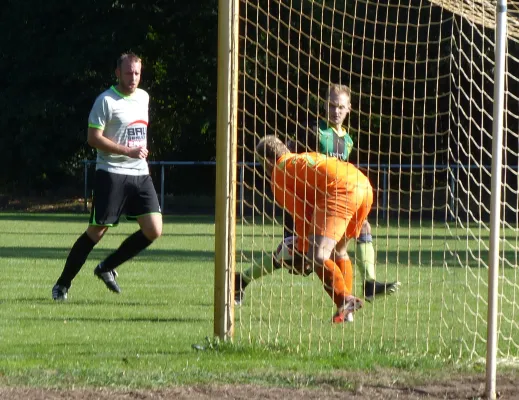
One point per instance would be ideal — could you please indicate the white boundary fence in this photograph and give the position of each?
(383, 188)
(162, 164)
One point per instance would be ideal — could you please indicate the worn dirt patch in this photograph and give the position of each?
(467, 388)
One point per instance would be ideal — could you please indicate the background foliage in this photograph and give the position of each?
(59, 55)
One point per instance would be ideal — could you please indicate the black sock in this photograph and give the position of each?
(132, 246)
(75, 260)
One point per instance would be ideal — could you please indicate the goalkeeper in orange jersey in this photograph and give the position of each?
(329, 137)
(329, 200)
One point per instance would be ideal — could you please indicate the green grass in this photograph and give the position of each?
(159, 330)
(440, 310)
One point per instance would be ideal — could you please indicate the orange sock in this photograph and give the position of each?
(333, 282)
(347, 272)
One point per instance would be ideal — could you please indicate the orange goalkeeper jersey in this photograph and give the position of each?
(302, 183)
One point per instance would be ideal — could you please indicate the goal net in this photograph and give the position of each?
(421, 75)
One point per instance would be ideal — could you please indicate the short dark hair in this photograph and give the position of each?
(271, 148)
(127, 56)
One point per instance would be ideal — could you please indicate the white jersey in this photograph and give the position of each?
(124, 120)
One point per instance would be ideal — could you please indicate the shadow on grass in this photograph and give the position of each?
(404, 258)
(44, 217)
(60, 253)
(41, 217)
(82, 303)
(111, 232)
(116, 319)
(412, 259)
(70, 304)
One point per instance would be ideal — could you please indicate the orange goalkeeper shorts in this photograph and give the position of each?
(343, 215)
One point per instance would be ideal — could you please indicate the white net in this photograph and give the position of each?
(421, 75)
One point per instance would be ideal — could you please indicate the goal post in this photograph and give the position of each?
(495, 199)
(425, 121)
(226, 156)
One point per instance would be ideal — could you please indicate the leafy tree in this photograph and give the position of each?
(60, 54)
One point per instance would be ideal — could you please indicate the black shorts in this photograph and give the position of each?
(116, 194)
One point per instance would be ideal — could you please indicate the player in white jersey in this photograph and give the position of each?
(117, 128)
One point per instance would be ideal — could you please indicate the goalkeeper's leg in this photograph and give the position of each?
(266, 267)
(339, 288)
(337, 278)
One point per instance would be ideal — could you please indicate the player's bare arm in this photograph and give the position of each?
(98, 141)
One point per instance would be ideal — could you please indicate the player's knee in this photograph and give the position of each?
(320, 251)
(365, 238)
(365, 233)
(151, 226)
(366, 228)
(96, 233)
(153, 234)
(342, 254)
(317, 259)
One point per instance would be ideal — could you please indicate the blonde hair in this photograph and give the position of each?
(271, 148)
(338, 89)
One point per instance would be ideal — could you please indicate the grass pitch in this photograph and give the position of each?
(159, 331)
